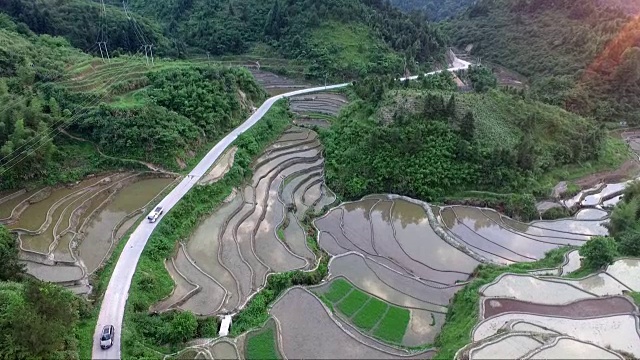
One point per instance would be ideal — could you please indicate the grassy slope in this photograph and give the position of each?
(353, 47)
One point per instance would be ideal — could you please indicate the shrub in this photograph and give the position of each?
(598, 252)
(556, 213)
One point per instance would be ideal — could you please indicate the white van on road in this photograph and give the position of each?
(155, 214)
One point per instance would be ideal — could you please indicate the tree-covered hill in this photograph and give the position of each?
(127, 111)
(341, 38)
(428, 141)
(80, 22)
(581, 55)
(436, 10)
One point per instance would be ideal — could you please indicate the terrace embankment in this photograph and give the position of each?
(554, 317)
(256, 231)
(67, 232)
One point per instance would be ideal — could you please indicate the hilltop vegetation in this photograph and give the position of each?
(426, 141)
(580, 55)
(436, 10)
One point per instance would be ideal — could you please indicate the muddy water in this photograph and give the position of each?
(62, 252)
(301, 207)
(296, 239)
(203, 248)
(280, 161)
(34, 216)
(516, 243)
(356, 226)
(231, 257)
(224, 350)
(420, 330)
(7, 206)
(535, 231)
(181, 288)
(210, 296)
(269, 249)
(416, 237)
(98, 233)
(312, 195)
(54, 273)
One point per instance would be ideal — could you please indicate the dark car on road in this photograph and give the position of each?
(106, 339)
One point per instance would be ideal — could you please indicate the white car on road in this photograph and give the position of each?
(155, 214)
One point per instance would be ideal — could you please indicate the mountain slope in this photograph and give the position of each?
(81, 23)
(553, 43)
(297, 29)
(436, 10)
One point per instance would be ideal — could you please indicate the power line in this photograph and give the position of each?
(102, 43)
(51, 131)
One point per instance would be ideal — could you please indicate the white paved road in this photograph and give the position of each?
(115, 298)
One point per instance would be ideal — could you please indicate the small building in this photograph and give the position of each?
(225, 325)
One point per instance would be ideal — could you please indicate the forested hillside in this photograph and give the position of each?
(341, 38)
(425, 140)
(581, 55)
(436, 10)
(164, 115)
(81, 23)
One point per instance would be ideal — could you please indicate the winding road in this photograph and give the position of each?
(115, 298)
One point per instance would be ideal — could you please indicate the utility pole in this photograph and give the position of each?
(103, 38)
(325, 80)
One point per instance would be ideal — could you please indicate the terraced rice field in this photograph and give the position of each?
(321, 103)
(538, 317)
(66, 233)
(504, 240)
(255, 232)
(276, 84)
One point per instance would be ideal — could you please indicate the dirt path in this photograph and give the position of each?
(629, 168)
(150, 166)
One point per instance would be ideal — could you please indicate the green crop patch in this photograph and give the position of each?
(262, 345)
(370, 314)
(393, 326)
(339, 289)
(352, 302)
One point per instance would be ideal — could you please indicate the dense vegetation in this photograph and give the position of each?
(580, 55)
(82, 23)
(36, 318)
(426, 141)
(165, 114)
(339, 38)
(436, 10)
(181, 110)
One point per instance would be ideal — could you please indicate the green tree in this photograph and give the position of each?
(629, 242)
(182, 327)
(598, 252)
(10, 266)
(468, 126)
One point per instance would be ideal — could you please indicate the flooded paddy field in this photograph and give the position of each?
(255, 232)
(504, 240)
(67, 232)
(584, 318)
(320, 103)
(277, 84)
(309, 330)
